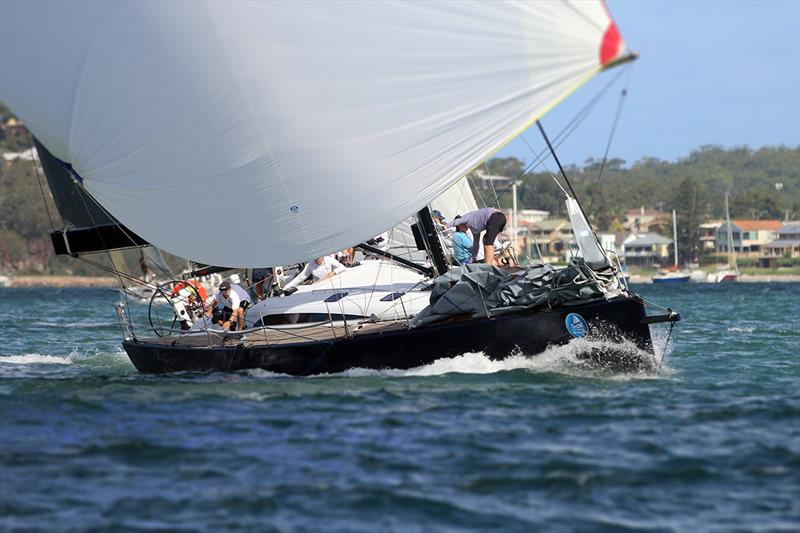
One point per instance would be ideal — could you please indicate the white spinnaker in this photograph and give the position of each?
(322, 123)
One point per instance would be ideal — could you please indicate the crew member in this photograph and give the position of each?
(462, 245)
(318, 269)
(488, 219)
(262, 281)
(234, 301)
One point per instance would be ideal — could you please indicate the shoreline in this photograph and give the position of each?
(64, 281)
(743, 278)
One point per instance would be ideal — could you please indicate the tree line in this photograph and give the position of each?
(763, 184)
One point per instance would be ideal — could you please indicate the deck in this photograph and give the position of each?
(272, 335)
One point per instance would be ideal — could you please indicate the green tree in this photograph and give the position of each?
(687, 204)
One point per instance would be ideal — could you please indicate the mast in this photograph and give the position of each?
(675, 238)
(731, 244)
(433, 246)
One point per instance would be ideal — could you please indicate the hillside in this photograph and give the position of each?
(763, 183)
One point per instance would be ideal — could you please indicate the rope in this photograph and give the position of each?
(666, 345)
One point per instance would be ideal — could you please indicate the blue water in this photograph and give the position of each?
(710, 442)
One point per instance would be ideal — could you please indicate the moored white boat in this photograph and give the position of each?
(724, 276)
(672, 275)
(731, 272)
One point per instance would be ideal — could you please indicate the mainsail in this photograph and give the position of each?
(286, 130)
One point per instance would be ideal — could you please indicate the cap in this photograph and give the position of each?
(224, 285)
(437, 214)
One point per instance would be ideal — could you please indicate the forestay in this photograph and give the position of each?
(285, 130)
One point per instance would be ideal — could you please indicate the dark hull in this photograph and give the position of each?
(682, 279)
(527, 332)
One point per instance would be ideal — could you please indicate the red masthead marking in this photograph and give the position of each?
(610, 45)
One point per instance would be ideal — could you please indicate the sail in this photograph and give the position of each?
(588, 244)
(286, 130)
(87, 227)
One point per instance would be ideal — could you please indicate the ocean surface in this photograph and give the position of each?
(709, 442)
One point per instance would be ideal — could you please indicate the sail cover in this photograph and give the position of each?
(285, 130)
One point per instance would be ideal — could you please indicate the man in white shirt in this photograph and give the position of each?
(234, 301)
(318, 269)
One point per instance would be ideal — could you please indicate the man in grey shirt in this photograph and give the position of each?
(488, 219)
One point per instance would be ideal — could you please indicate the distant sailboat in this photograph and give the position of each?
(268, 133)
(672, 275)
(731, 272)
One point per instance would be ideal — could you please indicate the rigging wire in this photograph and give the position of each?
(474, 188)
(566, 131)
(122, 229)
(611, 134)
(377, 275)
(558, 162)
(100, 236)
(491, 182)
(39, 179)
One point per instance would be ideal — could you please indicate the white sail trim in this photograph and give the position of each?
(321, 123)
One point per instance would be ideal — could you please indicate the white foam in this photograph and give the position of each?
(261, 373)
(35, 359)
(743, 329)
(563, 359)
(66, 324)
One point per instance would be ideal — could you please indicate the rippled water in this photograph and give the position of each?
(709, 442)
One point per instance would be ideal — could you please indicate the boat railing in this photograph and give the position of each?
(124, 322)
(617, 265)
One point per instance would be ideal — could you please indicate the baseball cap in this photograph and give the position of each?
(437, 214)
(224, 285)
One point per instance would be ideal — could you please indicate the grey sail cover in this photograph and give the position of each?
(479, 289)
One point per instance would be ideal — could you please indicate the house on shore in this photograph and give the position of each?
(640, 220)
(708, 235)
(749, 236)
(552, 236)
(786, 245)
(650, 249)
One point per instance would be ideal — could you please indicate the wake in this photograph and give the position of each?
(579, 358)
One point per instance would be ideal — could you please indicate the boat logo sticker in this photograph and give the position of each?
(576, 325)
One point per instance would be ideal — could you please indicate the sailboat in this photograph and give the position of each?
(270, 133)
(731, 272)
(672, 275)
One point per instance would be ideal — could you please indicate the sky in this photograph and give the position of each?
(710, 72)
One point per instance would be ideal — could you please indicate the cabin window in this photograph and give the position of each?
(392, 297)
(335, 297)
(284, 319)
